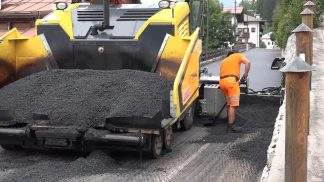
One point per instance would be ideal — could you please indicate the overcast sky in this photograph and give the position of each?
(229, 3)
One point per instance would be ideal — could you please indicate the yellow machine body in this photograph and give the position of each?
(21, 56)
(177, 60)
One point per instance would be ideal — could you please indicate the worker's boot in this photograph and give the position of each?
(231, 128)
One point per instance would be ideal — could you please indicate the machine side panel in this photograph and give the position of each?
(171, 57)
(121, 53)
(7, 58)
(185, 89)
(174, 17)
(59, 43)
(190, 79)
(62, 18)
(21, 56)
(107, 55)
(151, 41)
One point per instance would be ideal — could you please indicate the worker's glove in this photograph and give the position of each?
(204, 71)
(242, 79)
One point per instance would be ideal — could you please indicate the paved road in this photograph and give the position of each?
(261, 76)
(200, 154)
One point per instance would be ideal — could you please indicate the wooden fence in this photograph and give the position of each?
(297, 84)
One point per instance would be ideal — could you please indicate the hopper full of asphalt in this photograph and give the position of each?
(84, 98)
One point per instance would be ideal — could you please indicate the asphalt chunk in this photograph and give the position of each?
(84, 98)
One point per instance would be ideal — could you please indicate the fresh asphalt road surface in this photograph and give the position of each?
(261, 75)
(200, 154)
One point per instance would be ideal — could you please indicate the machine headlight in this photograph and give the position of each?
(172, 4)
(61, 5)
(164, 4)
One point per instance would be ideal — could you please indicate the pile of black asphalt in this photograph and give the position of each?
(84, 98)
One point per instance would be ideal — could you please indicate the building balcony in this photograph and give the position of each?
(244, 35)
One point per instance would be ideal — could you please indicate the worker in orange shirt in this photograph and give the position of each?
(229, 84)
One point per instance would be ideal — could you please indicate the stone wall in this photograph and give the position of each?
(290, 51)
(274, 168)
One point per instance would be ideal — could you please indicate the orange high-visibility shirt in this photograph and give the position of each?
(231, 65)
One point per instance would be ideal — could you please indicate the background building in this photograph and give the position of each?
(22, 14)
(249, 29)
(266, 39)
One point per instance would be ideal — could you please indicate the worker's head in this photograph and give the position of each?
(231, 52)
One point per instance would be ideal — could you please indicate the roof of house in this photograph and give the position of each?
(233, 10)
(267, 35)
(27, 6)
(24, 9)
(248, 18)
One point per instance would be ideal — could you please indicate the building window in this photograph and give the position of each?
(253, 29)
(245, 30)
(245, 23)
(239, 29)
(268, 43)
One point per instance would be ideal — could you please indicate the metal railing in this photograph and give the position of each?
(210, 54)
(221, 52)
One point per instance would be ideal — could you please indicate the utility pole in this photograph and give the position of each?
(235, 14)
(207, 31)
(235, 18)
(247, 23)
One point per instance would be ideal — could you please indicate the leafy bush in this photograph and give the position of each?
(287, 17)
(262, 45)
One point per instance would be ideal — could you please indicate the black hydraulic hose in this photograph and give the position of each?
(96, 27)
(105, 24)
(267, 91)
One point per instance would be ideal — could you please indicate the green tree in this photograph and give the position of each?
(286, 18)
(249, 7)
(266, 9)
(319, 10)
(262, 45)
(220, 29)
(272, 37)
